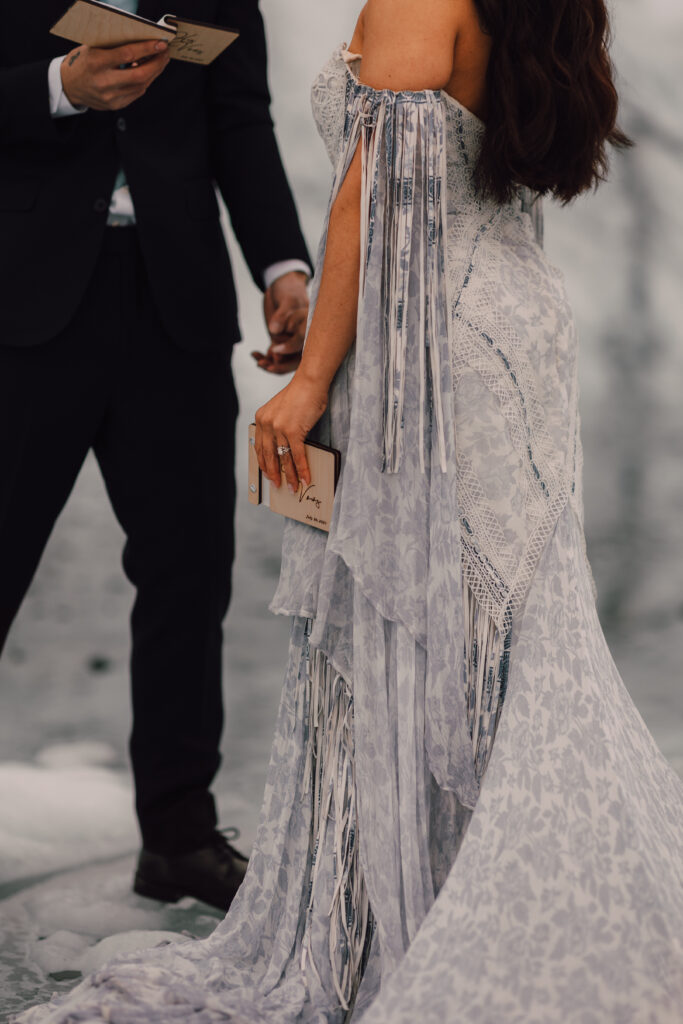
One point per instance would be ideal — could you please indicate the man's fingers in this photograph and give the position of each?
(132, 52)
(297, 319)
(288, 301)
(291, 337)
(286, 366)
(294, 328)
(285, 348)
(276, 364)
(289, 344)
(281, 314)
(265, 450)
(288, 305)
(117, 89)
(109, 79)
(143, 74)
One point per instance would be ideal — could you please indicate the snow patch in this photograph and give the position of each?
(77, 755)
(64, 811)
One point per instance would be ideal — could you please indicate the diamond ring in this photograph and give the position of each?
(282, 449)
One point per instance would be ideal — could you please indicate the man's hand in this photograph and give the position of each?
(93, 77)
(286, 309)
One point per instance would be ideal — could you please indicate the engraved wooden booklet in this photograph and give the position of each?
(93, 23)
(311, 505)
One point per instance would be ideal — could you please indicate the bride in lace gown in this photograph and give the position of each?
(465, 819)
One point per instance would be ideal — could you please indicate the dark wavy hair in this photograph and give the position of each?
(552, 103)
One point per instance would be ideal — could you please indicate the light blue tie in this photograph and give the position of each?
(132, 7)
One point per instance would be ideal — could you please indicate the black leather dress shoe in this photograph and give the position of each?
(212, 874)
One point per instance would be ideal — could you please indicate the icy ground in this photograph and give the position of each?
(67, 832)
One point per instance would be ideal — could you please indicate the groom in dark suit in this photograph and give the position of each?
(117, 316)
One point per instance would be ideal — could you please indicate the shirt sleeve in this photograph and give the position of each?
(238, 105)
(275, 270)
(60, 106)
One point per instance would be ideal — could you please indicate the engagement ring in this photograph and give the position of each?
(282, 449)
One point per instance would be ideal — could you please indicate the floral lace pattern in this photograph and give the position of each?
(566, 900)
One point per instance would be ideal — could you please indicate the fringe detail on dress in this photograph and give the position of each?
(532, 203)
(330, 774)
(487, 665)
(404, 214)
(330, 777)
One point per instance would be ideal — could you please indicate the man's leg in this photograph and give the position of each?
(166, 450)
(52, 398)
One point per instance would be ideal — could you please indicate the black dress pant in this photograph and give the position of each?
(161, 423)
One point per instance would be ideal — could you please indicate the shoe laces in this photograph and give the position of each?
(224, 847)
(231, 833)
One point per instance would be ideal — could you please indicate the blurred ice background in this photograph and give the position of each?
(67, 831)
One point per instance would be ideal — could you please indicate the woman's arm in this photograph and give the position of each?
(407, 44)
(289, 417)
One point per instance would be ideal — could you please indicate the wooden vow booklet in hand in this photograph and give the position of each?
(97, 24)
(311, 505)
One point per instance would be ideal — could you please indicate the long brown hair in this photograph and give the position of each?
(552, 103)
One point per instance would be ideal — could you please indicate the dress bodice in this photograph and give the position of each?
(464, 130)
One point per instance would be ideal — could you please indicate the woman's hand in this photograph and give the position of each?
(285, 421)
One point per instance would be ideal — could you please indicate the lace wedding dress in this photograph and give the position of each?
(465, 818)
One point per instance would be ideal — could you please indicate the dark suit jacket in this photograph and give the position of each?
(195, 126)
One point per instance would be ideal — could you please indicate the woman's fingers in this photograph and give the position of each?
(276, 364)
(284, 422)
(258, 444)
(300, 463)
(272, 461)
(287, 464)
(293, 462)
(266, 446)
(286, 366)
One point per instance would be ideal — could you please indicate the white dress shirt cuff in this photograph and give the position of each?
(284, 267)
(59, 104)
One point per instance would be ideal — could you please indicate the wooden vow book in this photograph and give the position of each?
(93, 23)
(311, 505)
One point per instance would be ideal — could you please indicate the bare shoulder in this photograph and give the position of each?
(410, 44)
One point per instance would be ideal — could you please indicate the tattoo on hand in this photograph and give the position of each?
(74, 58)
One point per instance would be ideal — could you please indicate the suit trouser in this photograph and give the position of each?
(161, 423)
